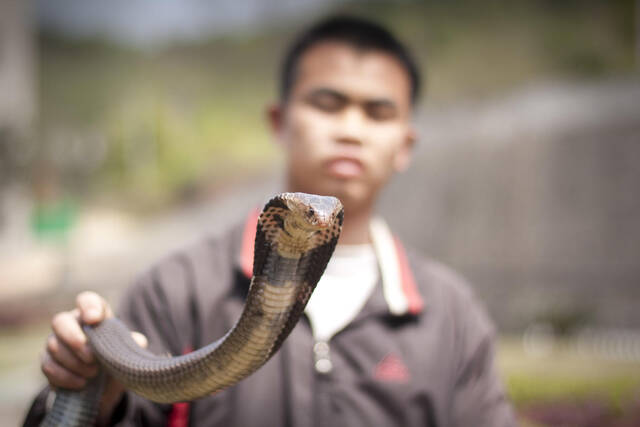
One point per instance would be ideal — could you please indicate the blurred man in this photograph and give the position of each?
(389, 338)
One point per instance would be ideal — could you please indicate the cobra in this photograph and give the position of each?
(295, 237)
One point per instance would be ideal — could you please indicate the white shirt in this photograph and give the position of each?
(347, 283)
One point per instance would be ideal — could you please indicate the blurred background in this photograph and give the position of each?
(130, 128)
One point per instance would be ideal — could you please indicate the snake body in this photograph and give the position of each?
(295, 237)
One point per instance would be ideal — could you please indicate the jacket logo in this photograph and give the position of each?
(392, 369)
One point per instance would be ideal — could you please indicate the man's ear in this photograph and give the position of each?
(275, 115)
(402, 159)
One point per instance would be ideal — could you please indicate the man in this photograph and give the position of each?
(389, 338)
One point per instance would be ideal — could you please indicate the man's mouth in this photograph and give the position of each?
(344, 167)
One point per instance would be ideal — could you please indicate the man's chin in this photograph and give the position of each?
(352, 195)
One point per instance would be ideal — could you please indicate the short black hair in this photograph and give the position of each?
(357, 32)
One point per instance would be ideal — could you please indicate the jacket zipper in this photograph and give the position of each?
(322, 357)
(322, 366)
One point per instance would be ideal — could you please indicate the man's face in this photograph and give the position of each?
(346, 127)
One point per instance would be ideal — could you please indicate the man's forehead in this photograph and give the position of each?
(356, 72)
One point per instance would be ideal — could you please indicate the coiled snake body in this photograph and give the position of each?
(295, 237)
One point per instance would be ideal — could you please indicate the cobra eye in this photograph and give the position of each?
(311, 212)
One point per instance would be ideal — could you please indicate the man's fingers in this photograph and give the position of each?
(68, 360)
(60, 377)
(140, 339)
(64, 357)
(93, 308)
(66, 327)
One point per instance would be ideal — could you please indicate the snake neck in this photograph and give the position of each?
(293, 241)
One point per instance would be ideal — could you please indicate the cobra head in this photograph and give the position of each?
(313, 212)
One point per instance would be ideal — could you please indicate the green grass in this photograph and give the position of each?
(565, 375)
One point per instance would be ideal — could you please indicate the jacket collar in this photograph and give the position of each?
(398, 282)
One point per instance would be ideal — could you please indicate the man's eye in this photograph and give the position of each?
(381, 110)
(327, 102)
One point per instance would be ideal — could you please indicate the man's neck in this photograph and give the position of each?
(355, 228)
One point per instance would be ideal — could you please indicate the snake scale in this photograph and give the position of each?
(295, 237)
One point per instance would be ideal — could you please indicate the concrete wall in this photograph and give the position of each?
(535, 199)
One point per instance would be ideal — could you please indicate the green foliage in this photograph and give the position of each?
(188, 114)
(158, 150)
(565, 375)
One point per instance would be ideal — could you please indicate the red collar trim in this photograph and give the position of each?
(179, 415)
(248, 242)
(409, 288)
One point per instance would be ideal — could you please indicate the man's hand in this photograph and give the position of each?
(68, 361)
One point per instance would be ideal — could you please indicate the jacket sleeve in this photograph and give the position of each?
(479, 398)
(37, 410)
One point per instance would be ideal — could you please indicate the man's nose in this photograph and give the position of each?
(351, 126)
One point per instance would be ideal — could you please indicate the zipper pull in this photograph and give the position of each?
(322, 357)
